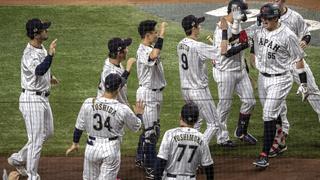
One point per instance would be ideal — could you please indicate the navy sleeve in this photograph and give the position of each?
(159, 168)
(236, 49)
(42, 68)
(209, 170)
(125, 74)
(77, 135)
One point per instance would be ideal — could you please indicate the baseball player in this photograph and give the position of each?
(103, 118)
(295, 22)
(192, 56)
(36, 80)
(276, 47)
(151, 84)
(183, 149)
(118, 50)
(229, 71)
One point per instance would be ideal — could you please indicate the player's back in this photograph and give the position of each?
(192, 67)
(187, 150)
(109, 68)
(105, 118)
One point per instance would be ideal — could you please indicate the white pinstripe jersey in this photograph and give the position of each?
(295, 22)
(184, 149)
(233, 63)
(275, 50)
(192, 63)
(31, 58)
(109, 68)
(150, 73)
(105, 118)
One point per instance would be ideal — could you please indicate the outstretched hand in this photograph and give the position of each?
(52, 48)
(72, 148)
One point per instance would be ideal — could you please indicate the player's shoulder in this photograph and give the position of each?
(292, 12)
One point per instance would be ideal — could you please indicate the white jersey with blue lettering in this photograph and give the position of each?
(104, 119)
(275, 50)
(192, 56)
(184, 149)
(109, 68)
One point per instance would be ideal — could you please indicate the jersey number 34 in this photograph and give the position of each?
(100, 124)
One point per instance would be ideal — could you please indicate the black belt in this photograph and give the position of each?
(110, 139)
(161, 89)
(273, 75)
(39, 93)
(175, 176)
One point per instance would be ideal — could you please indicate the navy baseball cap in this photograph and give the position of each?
(117, 44)
(35, 25)
(191, 21)
(190, 113)
(113, 82)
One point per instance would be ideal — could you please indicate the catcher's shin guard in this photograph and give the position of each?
(139, 155)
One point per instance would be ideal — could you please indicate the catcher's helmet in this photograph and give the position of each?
(270, 10)
(239, 3)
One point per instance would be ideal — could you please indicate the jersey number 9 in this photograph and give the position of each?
(184, 61)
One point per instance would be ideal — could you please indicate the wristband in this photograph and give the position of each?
(224, 34)
(159, 43)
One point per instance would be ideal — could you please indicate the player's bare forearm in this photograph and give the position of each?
(300, 64)
(224, 42)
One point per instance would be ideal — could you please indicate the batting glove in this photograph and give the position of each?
(303, 89)
(236, 14)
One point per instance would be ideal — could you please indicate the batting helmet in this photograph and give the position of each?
(241, 4)
(269, 11)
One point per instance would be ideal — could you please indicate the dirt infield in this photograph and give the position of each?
(52, 168)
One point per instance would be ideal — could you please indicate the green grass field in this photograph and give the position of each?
(82, 33)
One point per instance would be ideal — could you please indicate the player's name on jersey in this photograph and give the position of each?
(104, 107)
(188, 137)
(269, 44)
(184, 47)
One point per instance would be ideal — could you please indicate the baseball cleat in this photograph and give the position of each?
(248, 138)
(228, 144)
(20, 168)
(139, 164)
(149, 173)
(262, 162)
(279, 150)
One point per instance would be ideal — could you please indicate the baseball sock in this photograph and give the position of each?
(269, 134)
(243, 124)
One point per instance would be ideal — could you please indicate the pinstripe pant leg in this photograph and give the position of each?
(245, 92)
(34, 117)
(49, 128)
(226, 84)
(92, 162)
(111, 161)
